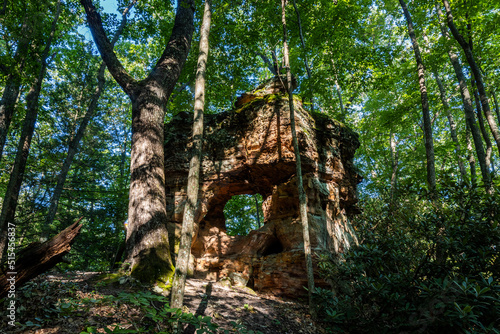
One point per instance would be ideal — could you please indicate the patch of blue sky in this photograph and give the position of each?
(107, 6)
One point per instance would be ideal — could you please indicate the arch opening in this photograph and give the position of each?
(243, 214)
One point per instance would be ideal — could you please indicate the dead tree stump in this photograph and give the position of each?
(37, 258)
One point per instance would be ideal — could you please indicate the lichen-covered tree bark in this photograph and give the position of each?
(147, 247)
(300, 186)
(182, 262)
(429, 144)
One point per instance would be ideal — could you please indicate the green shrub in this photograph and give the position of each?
(428, 266)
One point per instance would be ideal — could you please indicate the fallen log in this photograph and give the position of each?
(37, 258)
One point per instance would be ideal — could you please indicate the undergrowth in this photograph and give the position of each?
(137, 310)
(423, 265)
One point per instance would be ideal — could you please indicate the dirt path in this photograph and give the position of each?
(259, 313)
(72, 302)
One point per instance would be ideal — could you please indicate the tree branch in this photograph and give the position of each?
(105, 48)
(267, 62)
(169, 66)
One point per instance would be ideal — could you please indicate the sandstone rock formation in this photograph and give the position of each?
(249, 150)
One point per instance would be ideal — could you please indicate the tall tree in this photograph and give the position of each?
(304, 50)
(300, 185)
(453, 127)
(394, 164)
(13, 82)
(480, 120)
(467, 104)
(429, 144)
(23, 147)
(75, 141)
(257, 210)
(339, 93)
(148, 251)
(470, 156)
(191, 206)
(497, 110)
(467, 48)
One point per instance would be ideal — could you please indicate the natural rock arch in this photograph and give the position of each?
(249, 150)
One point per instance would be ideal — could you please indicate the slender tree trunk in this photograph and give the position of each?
(470, 156)
(73, 149)
(429, 145)
(191, 206)
(497, 110)
(486, 137)
(12, 87)
(394, 175)
(306, 61)
(147, 247)
(477, 74)
(468, 108)
(4, 7)
(7, 107)
(23, 147)
(257, 209)
(300, 186)
(339, 93)
(453, 127)
(348, 104)
(270, 65)
(75, 141)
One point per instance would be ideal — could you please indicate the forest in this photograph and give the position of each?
(100, 98)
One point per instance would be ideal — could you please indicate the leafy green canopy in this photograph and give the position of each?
(241, 214)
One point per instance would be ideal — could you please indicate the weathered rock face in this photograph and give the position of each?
(249, 150)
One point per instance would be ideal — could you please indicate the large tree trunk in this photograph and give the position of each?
(300, 186)
(182, 263)
(468, 108)
(429, 144)
(75, 141)
(147, 247)
(148, 252)
(453, 127)
(23, 147)
(36, 258)
(476, 71)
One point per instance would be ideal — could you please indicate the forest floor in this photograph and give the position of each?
(77, 301)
